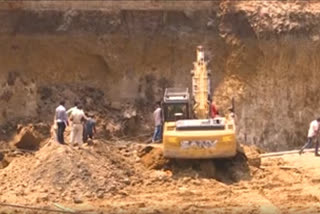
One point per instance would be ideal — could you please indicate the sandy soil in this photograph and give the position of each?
(110, 177)
(282, 185)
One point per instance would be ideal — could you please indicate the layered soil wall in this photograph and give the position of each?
(264, 54)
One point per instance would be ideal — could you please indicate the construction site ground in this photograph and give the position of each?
(125, 177)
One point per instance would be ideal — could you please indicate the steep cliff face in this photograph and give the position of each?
(264, 55)
(133, 59)
(272, 69)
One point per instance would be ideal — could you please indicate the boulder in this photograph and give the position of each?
(26, 139)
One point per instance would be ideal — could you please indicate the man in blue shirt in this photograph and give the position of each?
(62, 121)
(89, 128)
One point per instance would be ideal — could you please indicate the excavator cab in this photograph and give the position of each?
(175, 104)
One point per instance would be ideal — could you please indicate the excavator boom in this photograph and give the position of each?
(200, 86)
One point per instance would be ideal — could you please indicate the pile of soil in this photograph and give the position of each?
(227, 170)
(63, 173)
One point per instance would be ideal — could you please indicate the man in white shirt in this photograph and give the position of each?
(61, 119)
(70, 110)
(312, 134)
(157, 123)
(77, 117)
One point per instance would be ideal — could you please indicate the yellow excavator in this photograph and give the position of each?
(188, 130)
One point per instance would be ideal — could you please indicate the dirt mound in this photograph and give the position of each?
(153, 158)
(66, 174)
(63, 173)
(111, 176)
(227, 170)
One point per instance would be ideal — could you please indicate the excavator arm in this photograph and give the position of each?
(200, 86)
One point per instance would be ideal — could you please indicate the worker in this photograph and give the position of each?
(157, 123)
(70, 110)
(61, 121)
(231, 115)
(77, 117)
(89, 128)
(313, 133)
(213, 110)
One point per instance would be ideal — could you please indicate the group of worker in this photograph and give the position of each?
(83, 126)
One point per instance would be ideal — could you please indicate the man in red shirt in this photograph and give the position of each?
(213, 110)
